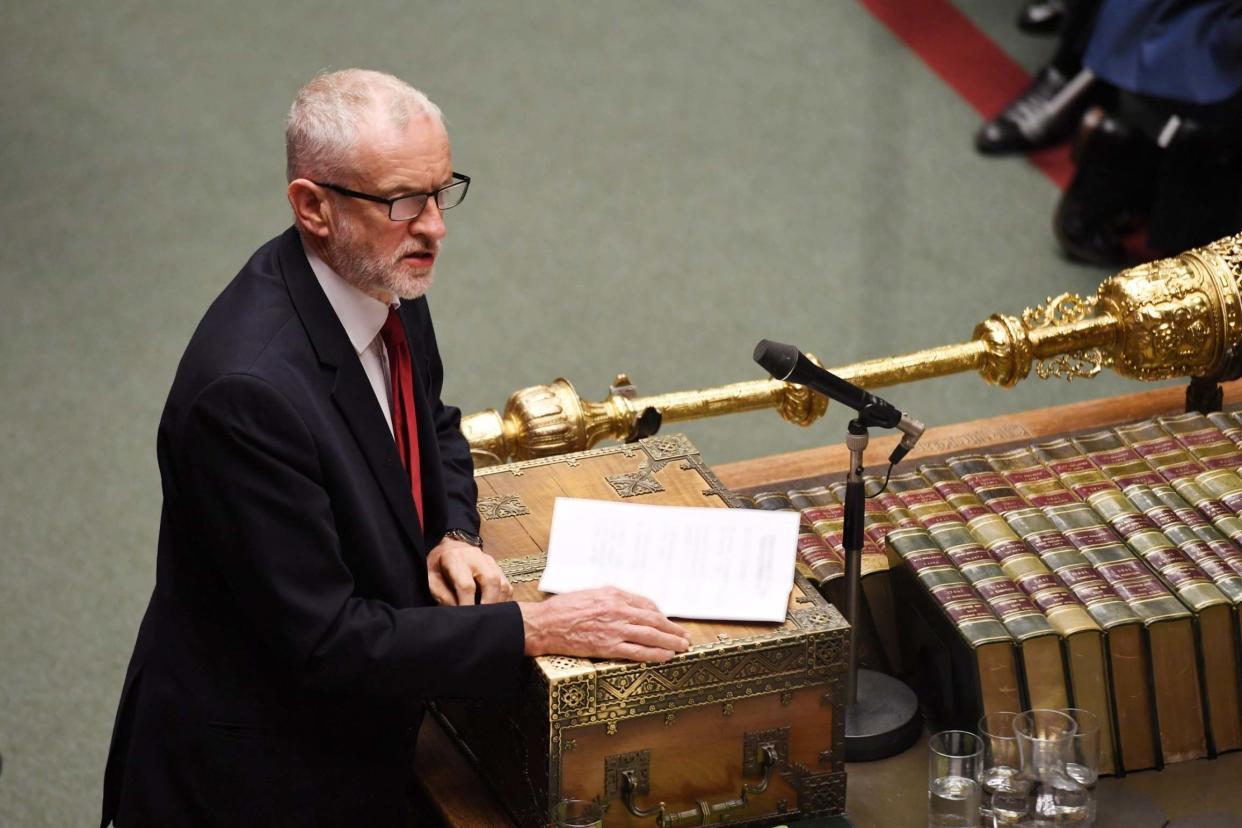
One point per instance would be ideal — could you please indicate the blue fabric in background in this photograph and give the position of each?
(1186, 50)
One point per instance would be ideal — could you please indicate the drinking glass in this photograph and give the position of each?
(1001, 760)
(577, 813)
(1082, 762)
(1043, 794)
(955, 758)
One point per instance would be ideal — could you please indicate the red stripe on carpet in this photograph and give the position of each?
(972, 65)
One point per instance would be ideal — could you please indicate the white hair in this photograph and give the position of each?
(322, 128)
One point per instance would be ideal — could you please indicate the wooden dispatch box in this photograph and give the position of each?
(747, 727)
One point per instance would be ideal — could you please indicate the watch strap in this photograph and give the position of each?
(465, 537)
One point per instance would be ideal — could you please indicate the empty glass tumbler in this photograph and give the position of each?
(1043, 794)
(954, 760)
(1082, 762)
(1001, 761)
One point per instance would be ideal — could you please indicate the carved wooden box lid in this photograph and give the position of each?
(727, 660)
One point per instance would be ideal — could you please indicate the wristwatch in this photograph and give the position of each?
(465, 537)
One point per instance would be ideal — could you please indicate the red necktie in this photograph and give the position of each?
(404, 420)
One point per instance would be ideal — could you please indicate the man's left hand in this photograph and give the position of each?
(456, 571)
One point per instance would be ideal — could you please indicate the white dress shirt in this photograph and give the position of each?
(362, 316)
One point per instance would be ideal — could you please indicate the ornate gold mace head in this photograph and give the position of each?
(1170, 318)
(1180, 317)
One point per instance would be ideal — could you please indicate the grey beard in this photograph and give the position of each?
(372, 273)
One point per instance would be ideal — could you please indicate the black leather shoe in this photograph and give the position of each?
(1045, 114)
(1110, 197)
(1043, 17)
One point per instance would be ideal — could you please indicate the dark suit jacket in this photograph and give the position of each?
(291, 636)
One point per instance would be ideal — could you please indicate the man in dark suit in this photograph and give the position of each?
(318, 573)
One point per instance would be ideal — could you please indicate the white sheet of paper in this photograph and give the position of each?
(711, 564)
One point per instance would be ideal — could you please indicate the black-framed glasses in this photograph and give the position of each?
(410, 207)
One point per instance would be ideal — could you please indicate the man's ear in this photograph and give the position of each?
(311, 208)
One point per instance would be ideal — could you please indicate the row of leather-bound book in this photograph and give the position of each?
(1103, 571)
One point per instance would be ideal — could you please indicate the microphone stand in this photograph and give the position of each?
(883, 719)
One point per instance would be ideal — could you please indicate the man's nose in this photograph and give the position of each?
(430, 222)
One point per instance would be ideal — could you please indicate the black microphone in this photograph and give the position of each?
(786, 362)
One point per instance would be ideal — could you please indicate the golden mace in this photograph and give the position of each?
(1168, 318)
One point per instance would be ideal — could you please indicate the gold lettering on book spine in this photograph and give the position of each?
(1175, 317)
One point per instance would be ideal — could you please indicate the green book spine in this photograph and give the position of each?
(1127, 469)
(1228, 424)
(1178, 466)
(1041, 535)
(1160, 449)
(1147, 596)
(959, 601)
(1203, 439)
(1064, 611)
(1123, 464)
(962, 660)
(898, 515)
(1196, 434)
(1118, 687)
(1106, 606)
(1205, 554)
(1174, 566)
(803, 499)
(1225, 485)
(1216, 452)
(1221, 534)
(1021, 617)
(774, 502)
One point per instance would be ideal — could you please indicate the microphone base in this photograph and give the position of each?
(883, 721)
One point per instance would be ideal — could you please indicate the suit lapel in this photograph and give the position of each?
(351, 392)
(355, 398)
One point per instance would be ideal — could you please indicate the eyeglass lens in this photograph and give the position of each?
(404, 209)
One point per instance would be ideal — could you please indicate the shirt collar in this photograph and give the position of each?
(360, 314)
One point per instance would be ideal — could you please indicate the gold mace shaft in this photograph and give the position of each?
(1173, 317)
(940, 361)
